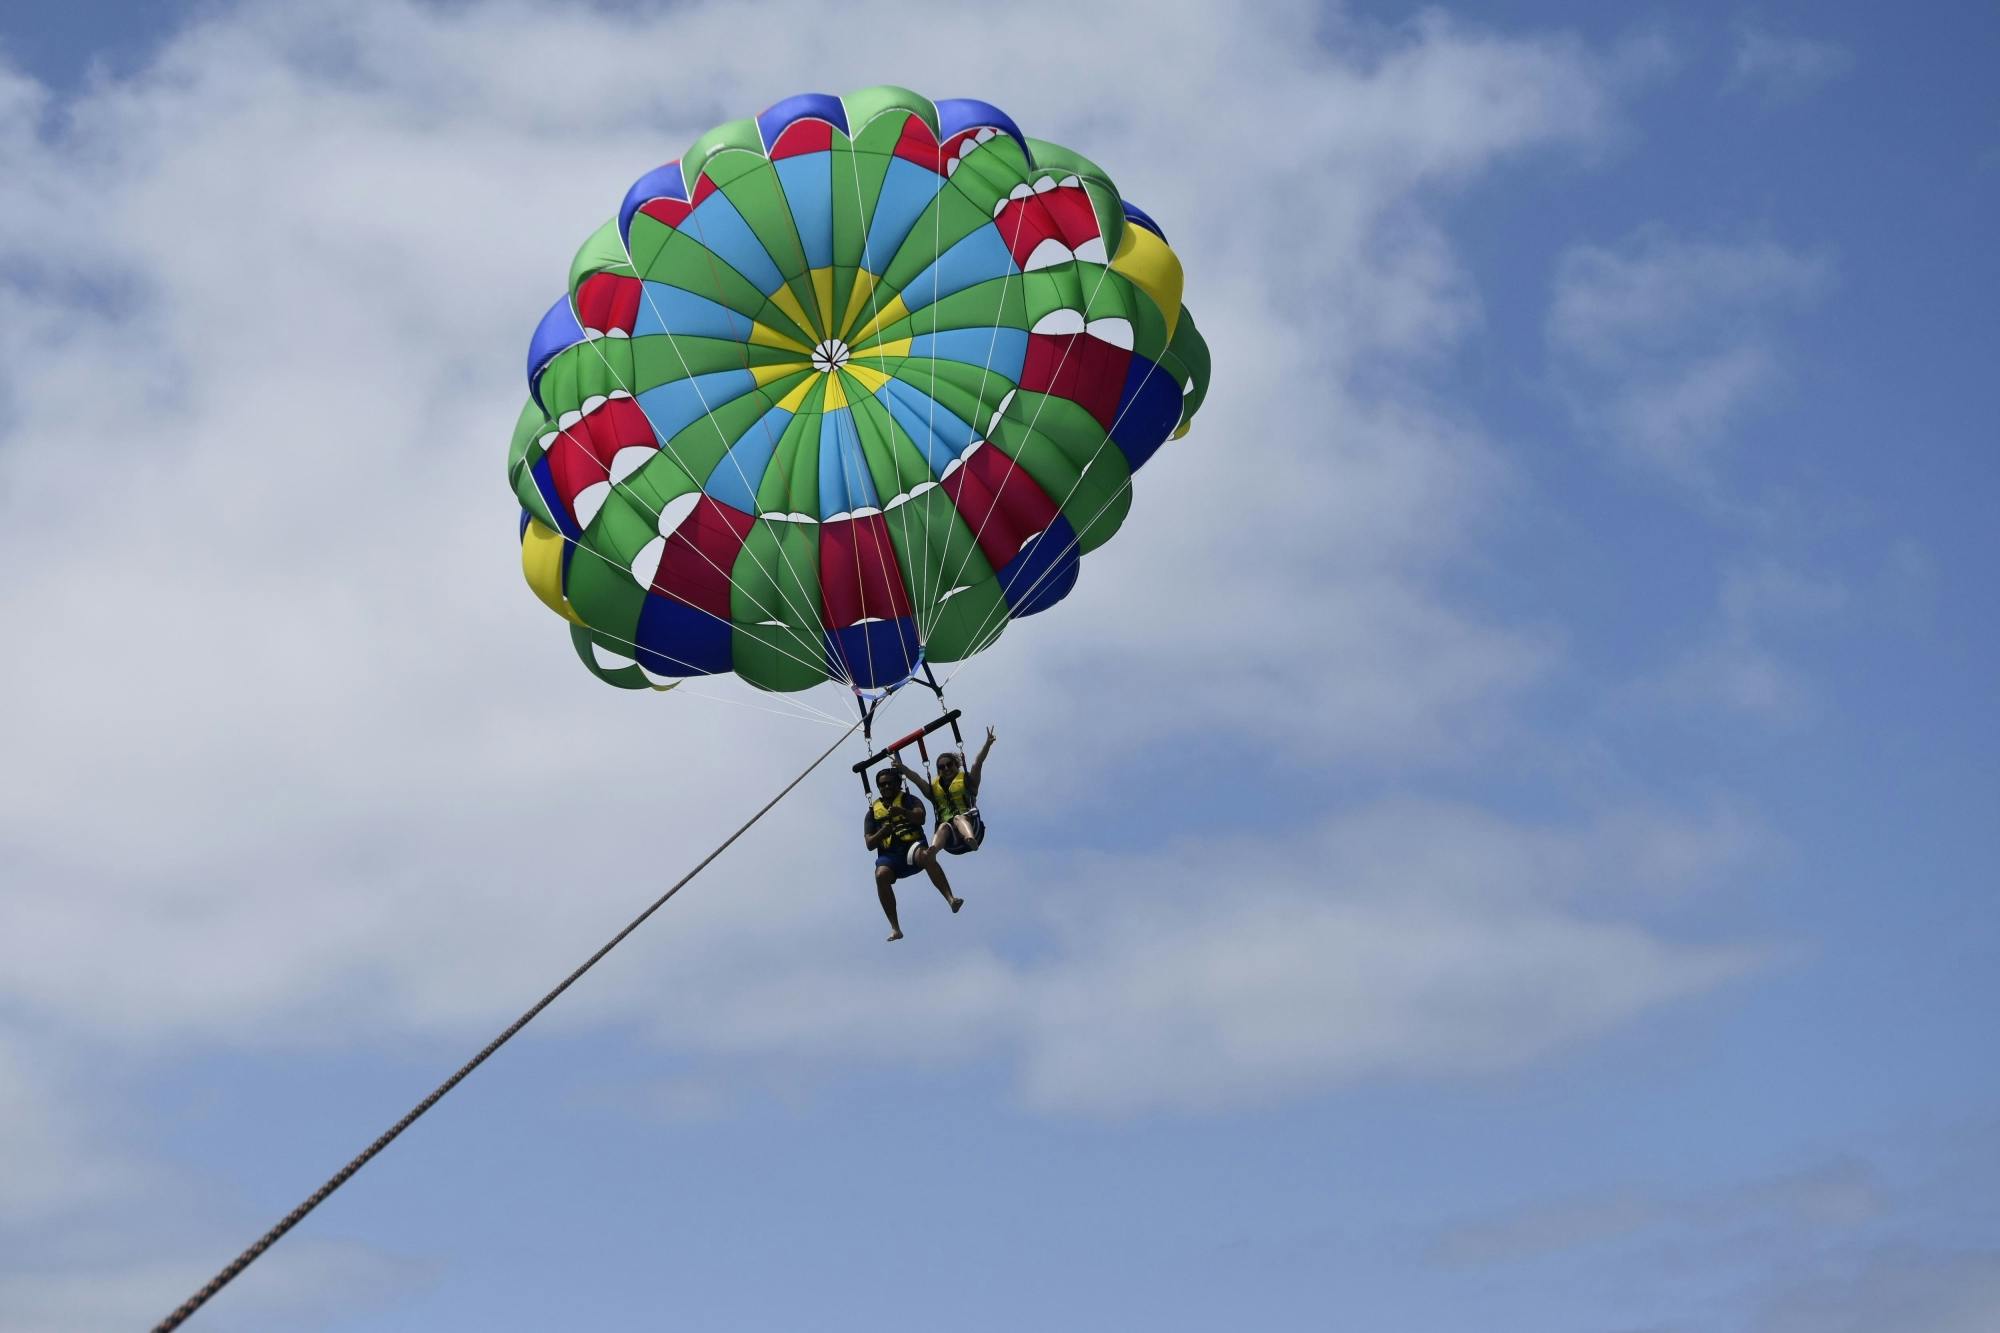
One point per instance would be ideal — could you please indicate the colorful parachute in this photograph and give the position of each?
(841, 392)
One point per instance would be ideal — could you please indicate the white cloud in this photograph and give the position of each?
(294, 758)
(1785, 68)
(56, 1163)
(1896, 1236)
(1346, 962)
(275, 675)
(1912, 1288)
(1406, 939)
(1740, 667)
(1664, 346)
(306, 1284)
(1827, 1202)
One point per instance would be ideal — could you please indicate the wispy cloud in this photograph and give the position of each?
(304, 1285)
(1741, 666)
(327, 239)
(277, 697)
(1406, 940)
(1664, 346)
(1785, 67)
(1403, 940)
(1911, 1288)
(1833, 1198)
(1877, 1239)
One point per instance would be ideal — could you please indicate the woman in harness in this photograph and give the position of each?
(894, 831)
(954, 796)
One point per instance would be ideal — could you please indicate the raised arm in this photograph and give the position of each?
(972, 774)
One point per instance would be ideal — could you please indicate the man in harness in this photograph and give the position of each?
(954, 796)
(894, 831)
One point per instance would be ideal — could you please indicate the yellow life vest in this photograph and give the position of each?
(897, 821)
(951, 799)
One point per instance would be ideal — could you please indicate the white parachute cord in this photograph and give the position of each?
(800, 614)
(976, 643)
(1076, 537)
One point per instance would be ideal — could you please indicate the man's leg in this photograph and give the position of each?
(884, 879)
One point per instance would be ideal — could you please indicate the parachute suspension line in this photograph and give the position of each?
(993, 505)
(914, 556)
(667, 447)
(984, 428)
(340, 1177)
(1076, 537)
(862, 220)
(639, 501)
(1118, 492)
(854, 462)
(939, 584)
(889, 561)
(785, 466)
(804, 712)
(930, 424)
(848, 462)
(1077, 531)
(924, 593)
(816, 713)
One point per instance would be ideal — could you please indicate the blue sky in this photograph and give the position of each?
(1501, 841)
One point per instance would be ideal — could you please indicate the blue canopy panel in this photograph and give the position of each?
(875, 654)
(556, 334)
(845, 482)
(1148, 410)
(907, 190)
(675, 639)
(739, 473)
(1134, 213)
(677, 312)
(980, 257)
(659, 183)
(933, 428)
(677, 404)
(1001, 350)
(780, 116)
(722, 231)
(545, 486)
(1043, 572)
(807, 181)
(959, 114)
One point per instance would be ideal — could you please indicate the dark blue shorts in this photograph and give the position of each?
(897, 861)
(958, 846)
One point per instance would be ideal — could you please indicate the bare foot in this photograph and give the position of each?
(956, 903)
(899, 934)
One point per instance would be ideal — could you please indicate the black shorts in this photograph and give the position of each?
(955, 843)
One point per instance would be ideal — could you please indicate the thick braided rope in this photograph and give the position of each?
(340, 1177)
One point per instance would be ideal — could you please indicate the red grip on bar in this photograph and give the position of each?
(893, 746)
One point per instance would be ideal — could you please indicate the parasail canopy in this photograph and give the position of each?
(843, 391)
